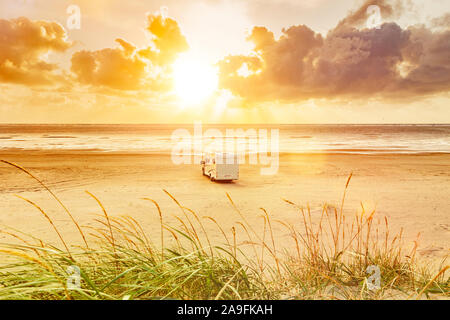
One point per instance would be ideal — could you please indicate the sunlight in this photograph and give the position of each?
(194, 79)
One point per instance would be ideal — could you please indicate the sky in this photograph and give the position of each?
(217, 61)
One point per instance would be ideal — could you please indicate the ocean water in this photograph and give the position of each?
(350, 139)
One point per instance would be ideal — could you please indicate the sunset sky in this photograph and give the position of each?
(254, 61)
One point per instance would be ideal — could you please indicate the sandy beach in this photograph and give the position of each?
(413, 191)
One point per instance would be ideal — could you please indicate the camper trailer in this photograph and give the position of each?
(220, 166)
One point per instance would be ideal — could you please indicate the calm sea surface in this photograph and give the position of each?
(353, 139)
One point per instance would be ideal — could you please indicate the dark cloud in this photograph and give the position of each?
(351, 60)
(23, 44)
(282, 63)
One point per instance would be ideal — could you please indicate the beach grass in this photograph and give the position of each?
(337, 256)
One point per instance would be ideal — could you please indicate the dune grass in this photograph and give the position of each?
(118, 260)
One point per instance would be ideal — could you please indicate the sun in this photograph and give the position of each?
(194, 80)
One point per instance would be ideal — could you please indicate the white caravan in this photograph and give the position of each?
(220, 166)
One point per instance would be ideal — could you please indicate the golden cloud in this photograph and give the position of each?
(130, 68)
(168, 40)
(23, 45)
(118, 68)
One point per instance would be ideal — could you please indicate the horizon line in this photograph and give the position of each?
(221, 124)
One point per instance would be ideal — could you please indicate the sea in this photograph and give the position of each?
(163, 138)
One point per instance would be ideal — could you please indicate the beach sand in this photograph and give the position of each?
(413, 191)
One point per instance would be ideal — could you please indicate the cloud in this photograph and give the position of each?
(168, 40)
(117, 68)
(131, 68)
(23, 47)
(441, 22)
(350, 61)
